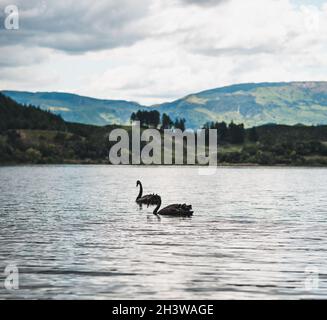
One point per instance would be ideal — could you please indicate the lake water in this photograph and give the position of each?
(75, 232)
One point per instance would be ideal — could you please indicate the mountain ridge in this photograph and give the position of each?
(250, 103)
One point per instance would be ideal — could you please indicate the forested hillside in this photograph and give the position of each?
(13, 116)
(29, 135)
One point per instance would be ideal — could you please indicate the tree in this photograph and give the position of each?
(236, 133)
(33, 155)
(253, 135)
(60, 137)
(133, 117)
(166, 122)
(180, 124)
(147, 118)
(154, 118)
(222, 130)
(221, 127)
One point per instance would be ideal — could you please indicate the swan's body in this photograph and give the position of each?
(176, 210)
(148, 199)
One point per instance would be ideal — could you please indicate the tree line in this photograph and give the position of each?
(232, 133)
(154, 119)
(16, 116)
(227, 133)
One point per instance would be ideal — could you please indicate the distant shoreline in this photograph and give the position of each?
(29, 135)
(225, 165)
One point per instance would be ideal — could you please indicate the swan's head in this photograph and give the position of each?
(138, 182)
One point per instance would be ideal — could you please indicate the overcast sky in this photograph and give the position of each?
(153, 51)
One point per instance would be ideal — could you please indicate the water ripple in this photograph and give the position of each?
(75, 232)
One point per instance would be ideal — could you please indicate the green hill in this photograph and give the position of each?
(75, 108)
(255, 104)
(251, 104)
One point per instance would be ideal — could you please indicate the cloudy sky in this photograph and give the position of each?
(152, 51)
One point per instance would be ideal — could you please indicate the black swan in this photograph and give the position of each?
(177, 210)
(149, 199)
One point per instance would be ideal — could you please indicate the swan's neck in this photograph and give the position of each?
(157, 208)
(141, 191)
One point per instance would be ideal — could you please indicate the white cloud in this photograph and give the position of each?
(77, 27)
(163, 50)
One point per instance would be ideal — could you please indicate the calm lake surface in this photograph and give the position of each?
(75, 232)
